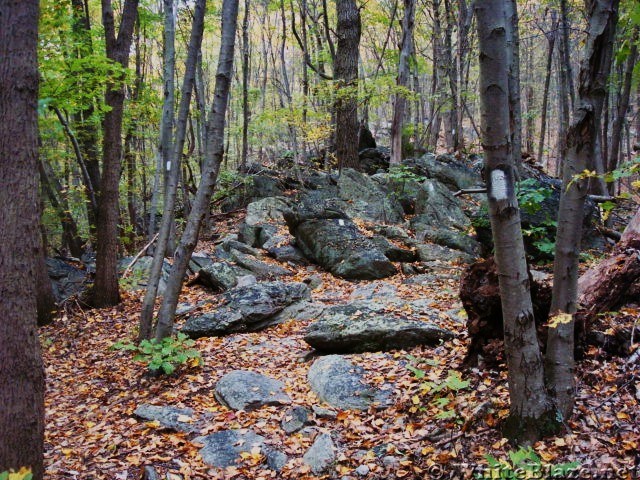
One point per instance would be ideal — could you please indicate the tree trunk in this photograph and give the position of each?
(402, 81)
(70, 235)
(21, 370)
(105, 291)
(551, 39)
(245, 84)
(530, 408)
(515, 107)
(566, 51)
(346, 76)
(623, 106)
(581, 139)
(165, 147)
(188, 84)
(214, 155)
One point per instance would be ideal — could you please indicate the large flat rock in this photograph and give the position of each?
(224, 449)
(367, 326)
(245, 390)
(247, 309)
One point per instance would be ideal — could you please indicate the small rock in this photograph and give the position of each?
(390, 461)
(223, 449)
(179, 419)
(150, 473)
(321, 455)
(244, 390)
(314, 281)
(276, 460)
(362, 470)
(295, 418)
(340, 383)
(323, 412)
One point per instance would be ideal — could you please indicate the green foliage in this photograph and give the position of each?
(524, 463)
(230, 181)
(402, 173)
(22, 474)
(530, 197)
(442, 393)
(163, 356)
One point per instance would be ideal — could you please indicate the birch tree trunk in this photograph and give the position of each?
(402, 81)
(165, 147)
(173, 162)
(213, 158)
(21, 371)
(515, 106)
(346, 76)
(581, 140)
(530, 408)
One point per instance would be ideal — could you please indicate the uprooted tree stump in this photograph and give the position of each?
(607, 286)
(480, 296)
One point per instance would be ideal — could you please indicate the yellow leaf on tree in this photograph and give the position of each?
(559, 319)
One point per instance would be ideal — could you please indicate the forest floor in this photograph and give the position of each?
(92, 391)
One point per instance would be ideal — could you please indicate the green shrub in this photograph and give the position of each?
(524, 463)
(163, 356)
(22, 474)
(442, 392)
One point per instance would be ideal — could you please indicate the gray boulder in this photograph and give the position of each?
(179, 419)
(247, 309)
(223, 449)
(339, 383)
(138, 276)
(262, 215)
(66, 279)
(295, 418)
(429, 252)
(199, 260)
(454, 173)
(334, 242)
(262, 270)
(366, 199)
(439, 207)
(321, 455)
(245, 390)
(367, 326)
(221, 275)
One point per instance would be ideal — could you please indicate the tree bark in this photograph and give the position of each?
(529, 405)
(623, 106)
(551, 40)
(188, 84)
(245, 84)
(105, 291)
(515, 106)
(21, 370)
(400, 99)
(214, 155)
(581, 139)
(346, 76)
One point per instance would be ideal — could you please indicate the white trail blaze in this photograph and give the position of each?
(498, 185)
